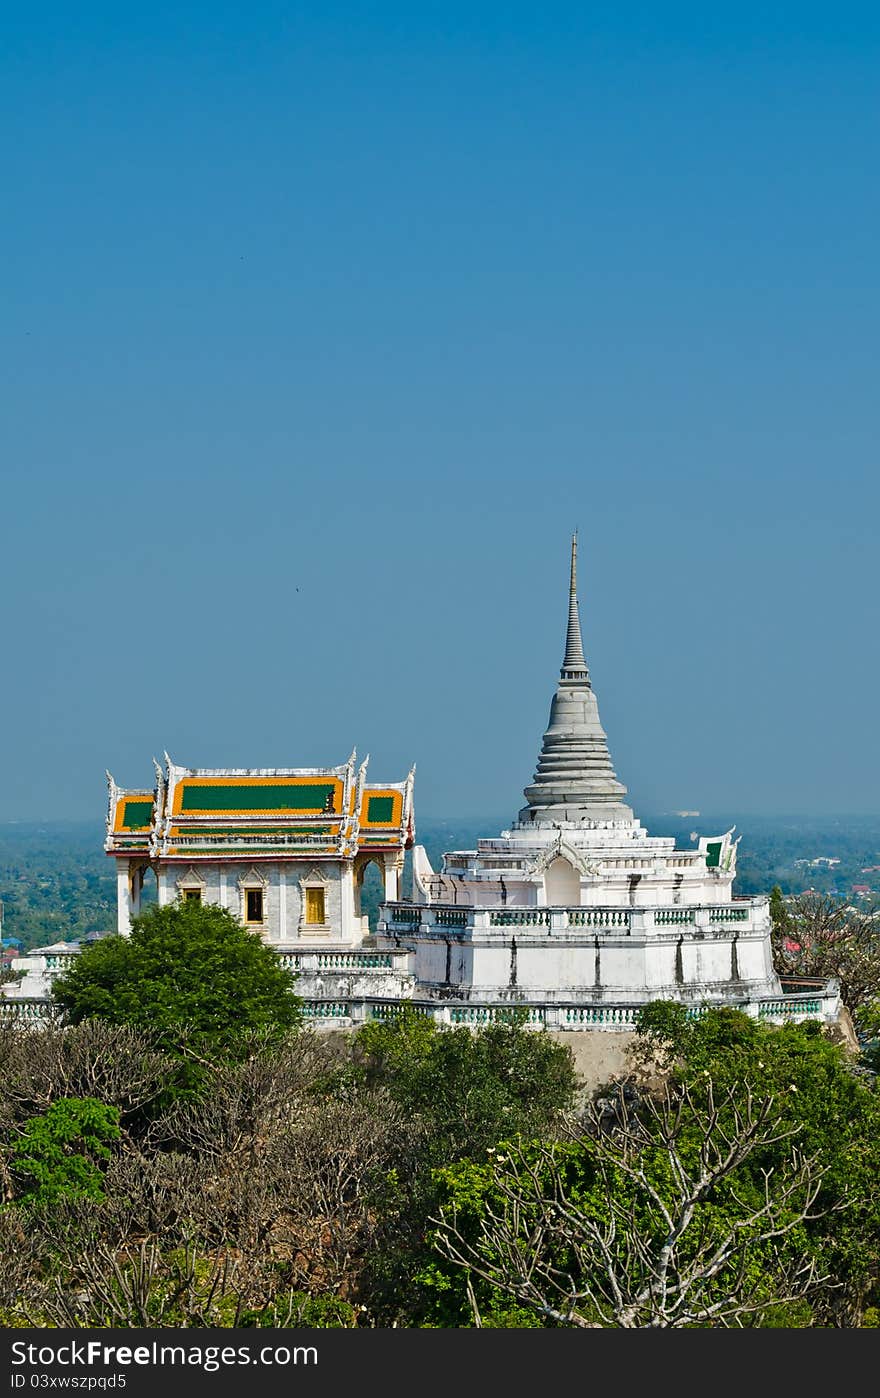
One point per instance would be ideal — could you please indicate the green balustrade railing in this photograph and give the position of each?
(598, 917)
(601, 1014)
(353, 960)
(411, 917)
(769, 1009)
(520, 917)
(21, 1008)
(451, 917)
(395, 1010)
(326, 1009)
(492, 1014)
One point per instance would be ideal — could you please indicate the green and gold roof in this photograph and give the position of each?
(130, 818)
(300, 812)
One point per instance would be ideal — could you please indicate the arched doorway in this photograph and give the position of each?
(562, 884)
(369, 889)
(143, 887)
(149, 888)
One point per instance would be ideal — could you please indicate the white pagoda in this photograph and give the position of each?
(577, 913)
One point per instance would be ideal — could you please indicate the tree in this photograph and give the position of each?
(190, 974)
(643, 1223)
(834, 1106)
(460, 1092)
(58, 1152)
(114, 1063)
(868, 1023)
(470, 1089)
(742, 1190)
(818, 935)
(780, 917)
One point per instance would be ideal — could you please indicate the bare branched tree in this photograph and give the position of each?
(114, 1063)
(153, 1286)
(663, 1236)
(335, 1159)
(243, 1104)
(824, 936)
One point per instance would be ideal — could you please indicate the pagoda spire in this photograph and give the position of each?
(574, 666)
(575, 779)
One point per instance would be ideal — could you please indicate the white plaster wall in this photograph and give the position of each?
(491, 964)
(631, 868)
(625, 964)
(352, 985)
(430, 963)
(629, 967)
(755, 959)
(659, 964)
(283, 910)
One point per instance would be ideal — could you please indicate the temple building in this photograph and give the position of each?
(575, 915)
(284, 848)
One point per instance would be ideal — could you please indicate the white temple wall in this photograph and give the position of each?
(755, 959)
(282, 885)
(545, 967)
(430, 963)
(628, 968)
(491, 964)
(636, 887)
(624, 964)
(436, 965)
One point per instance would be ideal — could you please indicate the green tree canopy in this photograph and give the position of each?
(460, 1092)
(470, 1089)
(190, 973)
(818, 1090)
(751, 1174)
(59, 1153)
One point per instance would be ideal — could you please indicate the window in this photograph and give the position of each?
(315, 905)
(253, 905)
(192, 895)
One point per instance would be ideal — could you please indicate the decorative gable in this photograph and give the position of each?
(561, 849)
(191, 879)
(253, 879)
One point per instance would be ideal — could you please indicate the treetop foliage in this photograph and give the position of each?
(412, 1176)
(471, 1088)
(185, 967)
(59, 1154)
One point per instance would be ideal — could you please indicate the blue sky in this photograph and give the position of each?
(322, 328)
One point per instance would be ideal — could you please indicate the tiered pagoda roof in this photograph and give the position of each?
(284, 812)
(575, 779)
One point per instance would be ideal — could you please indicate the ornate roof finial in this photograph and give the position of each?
(574, 666)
